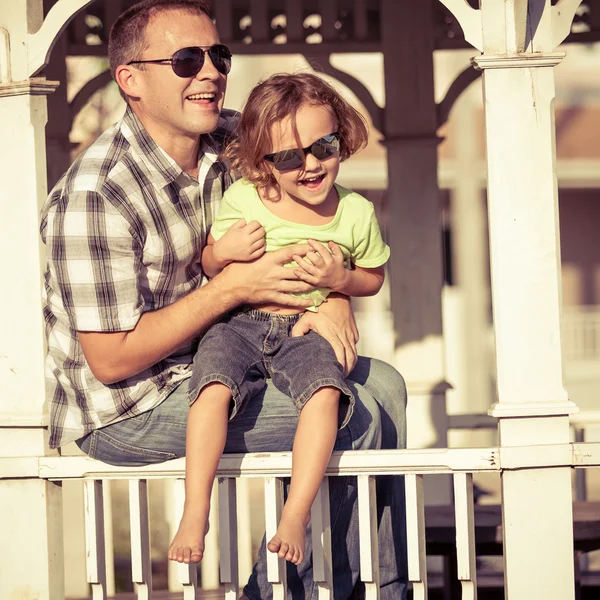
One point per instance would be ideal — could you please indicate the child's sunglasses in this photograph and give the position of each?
(288, 160)
(188, 62)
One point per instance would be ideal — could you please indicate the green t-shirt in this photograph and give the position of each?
(354, 228)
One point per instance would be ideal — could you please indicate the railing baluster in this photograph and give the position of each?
(224, 19)
(141, 564)
(94, 538)
(260, 21)
(244, 531)
(294, 20)
(321, 542)
(415, 534)
(329, 13)
(464, 515)
(361, 25)
(209, 566)
(276, 567)
(188, 574)
(109, 546)
(228, 537)
(368, 538)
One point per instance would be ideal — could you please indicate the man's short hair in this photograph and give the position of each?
(126, 41)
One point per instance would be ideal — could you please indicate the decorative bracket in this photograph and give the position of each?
(563, 14)
(469, 19)
(5, 75)
(40, 44)
(361, 91)
(86, 92)
(459, 85)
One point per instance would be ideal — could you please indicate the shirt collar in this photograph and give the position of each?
(164, 169)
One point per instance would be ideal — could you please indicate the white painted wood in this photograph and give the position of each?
(356, 462)
(209, 566)
(276, 567)
(109, 550)
(415, 269)
(31, 527)
(228, 542)
(533, 407)
(171, 511)
(94, 538)
(321, 542)
(139, 519)
(368, 538)
(188, 574)
(244, 508)
(76, 585)
(415, 535)
(563, 13)
(40, 43)
(469, 19)
(5, 71)
(464, 515)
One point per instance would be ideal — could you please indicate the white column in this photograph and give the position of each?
(466, 302)
(414, 225)
(533, 406)
(37, 522)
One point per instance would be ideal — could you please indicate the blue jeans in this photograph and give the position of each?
(268, 425)
(245, 349)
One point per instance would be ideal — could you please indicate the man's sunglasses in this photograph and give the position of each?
(188, 62)
(323, 148)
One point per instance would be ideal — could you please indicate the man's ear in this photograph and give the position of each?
(128, 79)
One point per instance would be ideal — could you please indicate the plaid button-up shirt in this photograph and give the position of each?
(124, 230)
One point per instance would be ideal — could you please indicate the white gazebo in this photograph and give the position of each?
(518, 41)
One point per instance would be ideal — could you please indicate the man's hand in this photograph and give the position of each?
(242, 242)
(323, 267)
(266, 280)
(335, 322)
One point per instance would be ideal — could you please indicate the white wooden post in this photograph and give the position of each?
(414, 225)
(34, 505)
(518, 39)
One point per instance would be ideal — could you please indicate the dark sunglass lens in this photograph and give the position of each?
(221, 58)
(188, 62)
(287, 160)
(325, 147)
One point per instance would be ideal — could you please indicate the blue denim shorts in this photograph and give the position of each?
(247, 347)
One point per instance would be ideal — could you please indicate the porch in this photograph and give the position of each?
(535, 456)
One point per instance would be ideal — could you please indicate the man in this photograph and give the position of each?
(125, 296)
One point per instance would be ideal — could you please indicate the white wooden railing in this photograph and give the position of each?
(581, 333)
(413, 464)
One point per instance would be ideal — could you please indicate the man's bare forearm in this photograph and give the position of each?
(158, 334)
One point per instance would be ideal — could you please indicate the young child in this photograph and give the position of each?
(294, 132)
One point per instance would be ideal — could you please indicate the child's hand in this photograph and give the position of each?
(242, 242)
(327, 268)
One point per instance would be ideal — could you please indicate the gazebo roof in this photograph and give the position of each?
(307, 26)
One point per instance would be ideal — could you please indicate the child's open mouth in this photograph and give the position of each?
(313, 182)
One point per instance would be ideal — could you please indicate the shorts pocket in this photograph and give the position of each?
(115, 452)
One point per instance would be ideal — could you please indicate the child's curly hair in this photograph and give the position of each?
(280, 97)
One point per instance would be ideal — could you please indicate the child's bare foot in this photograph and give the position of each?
(288, 542)
(188, 544)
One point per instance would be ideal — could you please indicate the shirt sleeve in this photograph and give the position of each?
(94, 258)
(229, 213)
(371, 251)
